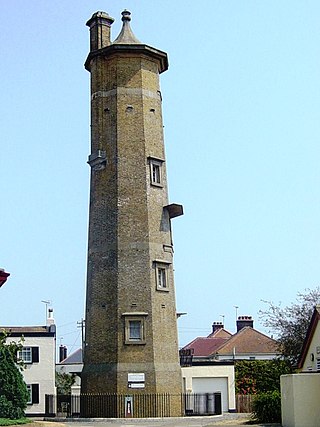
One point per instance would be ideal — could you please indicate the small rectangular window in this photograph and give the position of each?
(162, 277)
(29, 354)
(156, 172)
(134, 328)
(318, 364)
(156, 176)
(29, 389)
(33, 390)
(162, 272)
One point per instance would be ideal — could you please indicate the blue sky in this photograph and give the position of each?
(241, 106)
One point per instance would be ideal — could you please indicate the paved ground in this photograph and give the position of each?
(229, 420)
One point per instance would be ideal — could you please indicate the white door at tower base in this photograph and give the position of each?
(212, 385)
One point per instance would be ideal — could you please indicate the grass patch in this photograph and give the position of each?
(8, 422)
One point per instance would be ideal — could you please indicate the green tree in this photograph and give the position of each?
(64, 382)
(13, 390)
(290, 323)
(259, 376)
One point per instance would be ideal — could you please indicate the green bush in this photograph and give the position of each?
(8, 410)
(267, 407)
(13, 390)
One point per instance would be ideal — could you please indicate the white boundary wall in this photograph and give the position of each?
(300, 394)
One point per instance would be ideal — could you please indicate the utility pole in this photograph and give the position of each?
(81, 324)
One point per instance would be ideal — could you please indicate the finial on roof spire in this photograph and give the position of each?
(126, 35)
(126, 15)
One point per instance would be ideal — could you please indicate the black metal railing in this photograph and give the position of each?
(140, 405)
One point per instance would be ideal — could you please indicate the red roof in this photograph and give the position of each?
(247, 341)
(205, 346)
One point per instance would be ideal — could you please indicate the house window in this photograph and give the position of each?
(318, 364)
(29, 389)
(134, 324)
(29, 354)
(156, 172)
(25, 354)
(33, 390)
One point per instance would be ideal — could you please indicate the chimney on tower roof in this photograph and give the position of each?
(100, 30)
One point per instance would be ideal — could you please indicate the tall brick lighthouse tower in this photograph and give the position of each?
(131, 343)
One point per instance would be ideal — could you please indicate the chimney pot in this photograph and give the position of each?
(62, 353)
(216, 326)
(244, 321)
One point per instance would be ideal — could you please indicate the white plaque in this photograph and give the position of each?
(136, 385)
(136, 378)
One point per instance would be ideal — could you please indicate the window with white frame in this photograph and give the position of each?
(33, 390)
(162, 275)
(156, 172)
(29, 389)
(29, 354)
(156, 175)
(25, 354)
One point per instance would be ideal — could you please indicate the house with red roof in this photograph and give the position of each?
(211, 369)
(246, 344)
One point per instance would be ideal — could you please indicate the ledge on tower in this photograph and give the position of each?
(174, 210)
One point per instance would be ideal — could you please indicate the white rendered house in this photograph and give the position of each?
(38, 354)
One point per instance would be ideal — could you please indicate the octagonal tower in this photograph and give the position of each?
(131, 343)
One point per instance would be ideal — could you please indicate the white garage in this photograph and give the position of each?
(212, 379)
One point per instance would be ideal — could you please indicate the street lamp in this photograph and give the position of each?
(3, 277)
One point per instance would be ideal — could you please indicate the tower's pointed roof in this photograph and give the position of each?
(126, 35)
(127, 42)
